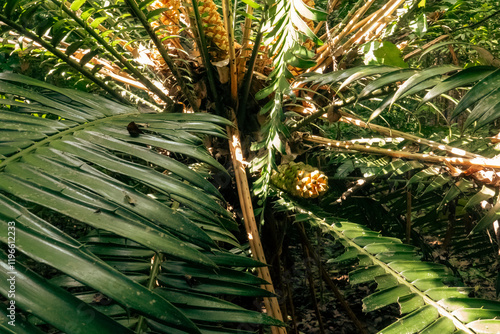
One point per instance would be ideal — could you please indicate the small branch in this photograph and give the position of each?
(337, 104)
(480, 22)
(425, 46)
(163, 52)
(394, 133)
(476, 162)
(360, 184)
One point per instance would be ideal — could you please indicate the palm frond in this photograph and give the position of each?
(74, 155)
(396, 84)
(429, 295)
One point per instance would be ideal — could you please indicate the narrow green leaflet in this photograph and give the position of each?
(486, 110)
(422, 289)
(483, 195)
(487, 219)
(413, 322)
(386, 79)
(421, 77)
(440, 326)
(94, 273)
(365, 71)
(384, 297)
(479, 91)
(462, 78)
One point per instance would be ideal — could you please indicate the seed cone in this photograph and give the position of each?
(300, 180)
(169, 18)
(214, 29)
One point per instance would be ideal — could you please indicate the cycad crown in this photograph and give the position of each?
(300, 180)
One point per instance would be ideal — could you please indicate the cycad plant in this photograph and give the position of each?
(118, 228)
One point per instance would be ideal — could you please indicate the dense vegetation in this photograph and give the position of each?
(274, 166)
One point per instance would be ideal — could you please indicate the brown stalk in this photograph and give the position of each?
(348, 28)
(384, 12)
(355, 27)
(271, 303)
(245, 47)
(476, 162)
(345, 25)
(426, 46)
(289, 294)
(369, 25)
(358, 185)
(394, 133)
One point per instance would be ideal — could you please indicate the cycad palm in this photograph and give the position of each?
(152, 220)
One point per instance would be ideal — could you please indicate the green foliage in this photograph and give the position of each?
(67, 156)
(70, 153)
(431, 298)
(384, 53)
(286, 30)
(438, 80)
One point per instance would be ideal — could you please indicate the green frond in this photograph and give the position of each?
(74, 156)
(397, 84)
(429, 295)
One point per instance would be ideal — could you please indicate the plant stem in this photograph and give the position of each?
(395, 133)
(125, 63)
(164, 54)
(63, 57)
(337, 104)
(310, 278)
(245, 198)
(155, 270)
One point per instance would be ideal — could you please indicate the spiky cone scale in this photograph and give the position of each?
(169, 18)
(169, 23)
(214, 29)
(300, 180)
